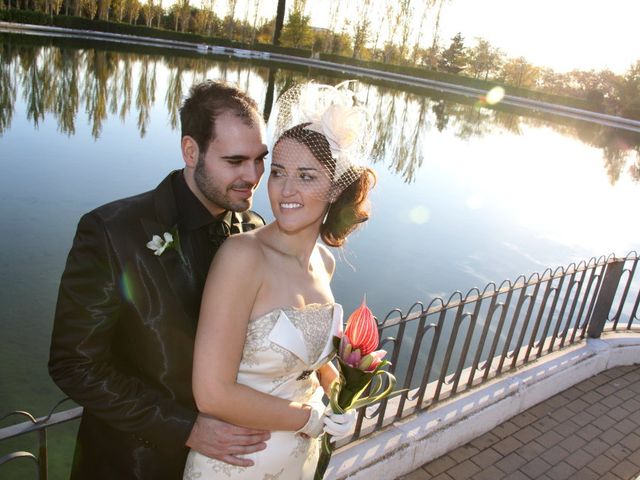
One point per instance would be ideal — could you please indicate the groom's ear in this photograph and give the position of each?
(190, 151)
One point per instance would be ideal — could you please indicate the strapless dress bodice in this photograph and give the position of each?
(287, 342)
(282, 350)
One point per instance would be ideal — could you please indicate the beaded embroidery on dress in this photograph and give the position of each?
(280, 348)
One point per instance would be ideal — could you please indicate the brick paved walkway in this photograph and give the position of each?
(590, 431)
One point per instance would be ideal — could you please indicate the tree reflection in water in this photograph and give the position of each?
(57, 78)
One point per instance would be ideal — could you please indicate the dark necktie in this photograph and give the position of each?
(218, 231)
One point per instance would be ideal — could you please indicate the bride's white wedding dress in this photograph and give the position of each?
(281, 350)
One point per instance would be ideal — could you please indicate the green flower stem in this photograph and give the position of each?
(326, 450)
(346, 395)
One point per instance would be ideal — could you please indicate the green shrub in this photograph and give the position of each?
(25, 16)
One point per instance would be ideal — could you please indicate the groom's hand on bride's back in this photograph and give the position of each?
(223, 441)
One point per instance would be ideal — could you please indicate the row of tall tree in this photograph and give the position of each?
(405, 32)
(604, 90)
(62, 83)
(391, 35)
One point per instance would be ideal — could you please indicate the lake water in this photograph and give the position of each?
(466, 194)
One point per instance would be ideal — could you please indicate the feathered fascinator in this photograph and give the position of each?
(327, 120)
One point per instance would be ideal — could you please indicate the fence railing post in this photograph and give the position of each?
(606, 294)
(43, 455)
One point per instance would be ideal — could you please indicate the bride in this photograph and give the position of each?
(268, 315)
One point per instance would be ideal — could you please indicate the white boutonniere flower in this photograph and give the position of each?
(160, 244)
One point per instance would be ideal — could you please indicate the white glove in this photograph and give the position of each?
(339, 424)
(315, 424)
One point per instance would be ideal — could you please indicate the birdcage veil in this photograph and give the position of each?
(328, 121)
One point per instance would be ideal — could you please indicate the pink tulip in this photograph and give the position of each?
(362, 330)
(354, 358)
(371, 361)
(345, 347)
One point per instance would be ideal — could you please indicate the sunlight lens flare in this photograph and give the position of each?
(419, 215)
(495, 95)
(126, 287)
(474, 202)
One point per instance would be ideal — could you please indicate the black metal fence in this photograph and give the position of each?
(450, 346)
(40, 426)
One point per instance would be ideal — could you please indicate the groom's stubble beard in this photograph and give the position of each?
(217, 193)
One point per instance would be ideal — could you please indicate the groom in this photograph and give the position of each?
(127, 312)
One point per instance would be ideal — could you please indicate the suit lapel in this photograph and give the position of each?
(177, 265)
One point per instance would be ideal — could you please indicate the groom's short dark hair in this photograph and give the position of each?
(209, 99)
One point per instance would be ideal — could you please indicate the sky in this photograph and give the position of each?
(561, 34)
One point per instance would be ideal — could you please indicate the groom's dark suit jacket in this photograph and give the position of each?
(124, 329)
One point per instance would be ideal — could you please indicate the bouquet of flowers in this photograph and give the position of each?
(360, 366)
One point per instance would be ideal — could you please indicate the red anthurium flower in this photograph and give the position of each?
(362, 376)
(362, 330)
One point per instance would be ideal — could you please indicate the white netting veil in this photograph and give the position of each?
(326, 121)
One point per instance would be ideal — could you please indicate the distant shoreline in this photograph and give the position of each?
(325, 65)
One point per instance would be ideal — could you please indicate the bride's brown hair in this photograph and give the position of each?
(350, 209)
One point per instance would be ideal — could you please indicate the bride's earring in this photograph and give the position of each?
(324, 219)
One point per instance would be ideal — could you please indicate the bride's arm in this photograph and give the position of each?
(327, 374)
(232, 285)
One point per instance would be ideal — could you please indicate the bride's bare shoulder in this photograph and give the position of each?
(243, 247)
(265, 240)
(328, 258)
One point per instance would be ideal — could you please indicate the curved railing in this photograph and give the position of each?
(448, 347)
(39, 425)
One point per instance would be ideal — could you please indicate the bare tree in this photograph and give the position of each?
(436, 34)
(403, 20)
(230, 19)
(182, 14)
(245, 22)
(361, 28)
(160, 12)
(103, 9)
(52, 7)
(132, 10)
(378, 21)
(427, 6)
(148, 12)
(209, 15)
(256, 9)
(118, 8)
(89, 8)
(333, 22)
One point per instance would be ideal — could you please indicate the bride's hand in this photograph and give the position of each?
(323, 419)
(314, 426)
(339, 424)
(224, 441)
